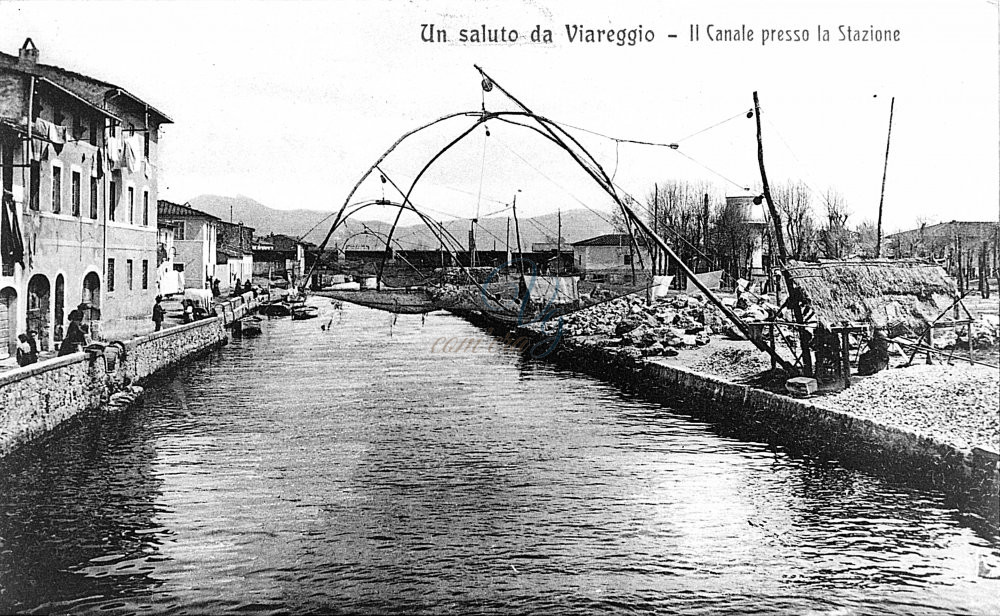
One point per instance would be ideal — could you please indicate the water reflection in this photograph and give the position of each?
(352, 470)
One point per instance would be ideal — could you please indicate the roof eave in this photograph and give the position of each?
(163, 118)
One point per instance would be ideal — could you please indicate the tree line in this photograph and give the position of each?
(708, 232)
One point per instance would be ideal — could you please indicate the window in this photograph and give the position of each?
(93, 198)
(76, 192)
(93, 131)
(179, 230)
(112, 200)
(145, 145)
(77, 126)
(145, 274)
(56, 189)
(128, 273)
(145, 208)
(111, 275)
(36, 185)
(628, 259)
(131, 205)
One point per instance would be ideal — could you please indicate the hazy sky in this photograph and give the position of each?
(289, 103)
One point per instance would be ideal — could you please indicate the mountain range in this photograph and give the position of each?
(491, 233)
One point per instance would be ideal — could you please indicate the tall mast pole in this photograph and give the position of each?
(885, 169)
(508, 238)
(656, 219)
(559, 242)
(517, 232)
(805, 337)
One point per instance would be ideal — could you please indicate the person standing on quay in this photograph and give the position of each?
(158, 314)
(23, 351)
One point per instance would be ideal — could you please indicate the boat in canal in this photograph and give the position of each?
(248, 326)
(303, 312)
(276, 308)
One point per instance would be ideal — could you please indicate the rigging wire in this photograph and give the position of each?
(651, 143)
(554, 183)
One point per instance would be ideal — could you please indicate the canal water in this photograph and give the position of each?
(356, 468)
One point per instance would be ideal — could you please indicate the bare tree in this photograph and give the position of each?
(865, 239)
(792, 201)
(835, 239)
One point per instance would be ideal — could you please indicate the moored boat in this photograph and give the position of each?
(302, 312)
(248, 326)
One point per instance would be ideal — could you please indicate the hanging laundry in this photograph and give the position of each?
(39, 149)
(10, 232)
(54, 133)
(113, 146)
(131, 160)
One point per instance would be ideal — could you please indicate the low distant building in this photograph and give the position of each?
(195, 242)
(282, 256)
(612, 253)
(234, 261)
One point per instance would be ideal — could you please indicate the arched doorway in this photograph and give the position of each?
(8, 322)
(60, 311)
(39, 298)
(91, 301)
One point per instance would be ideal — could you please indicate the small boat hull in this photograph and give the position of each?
(248, 326)
(301, 313)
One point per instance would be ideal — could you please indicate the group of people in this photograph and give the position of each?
(77, 336)
(238, 289)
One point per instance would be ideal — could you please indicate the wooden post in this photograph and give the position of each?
(930, 344)
(805, 337)
(845, 355)
(968, 333)
(770, 335)
(881, 199)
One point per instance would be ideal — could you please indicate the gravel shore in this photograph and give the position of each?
(957, 404)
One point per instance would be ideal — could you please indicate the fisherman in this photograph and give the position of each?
(188, 310)
(215, 288)
(238, 287)
(158, 314)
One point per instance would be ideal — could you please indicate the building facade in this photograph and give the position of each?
(196, 235)
(235, 253)
(79, 161)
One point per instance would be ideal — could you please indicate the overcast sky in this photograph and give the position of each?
(289, 103)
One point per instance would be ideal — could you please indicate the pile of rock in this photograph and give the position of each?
(660, 328)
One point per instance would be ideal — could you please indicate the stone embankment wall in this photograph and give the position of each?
(37, 398)
(801, 426)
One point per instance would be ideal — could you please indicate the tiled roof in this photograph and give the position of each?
(53, 72)
(169, 208)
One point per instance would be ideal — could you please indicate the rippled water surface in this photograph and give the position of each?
(354, 470)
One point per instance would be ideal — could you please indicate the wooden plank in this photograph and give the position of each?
(845, 354)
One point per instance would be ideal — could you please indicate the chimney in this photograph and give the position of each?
(27, 55)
